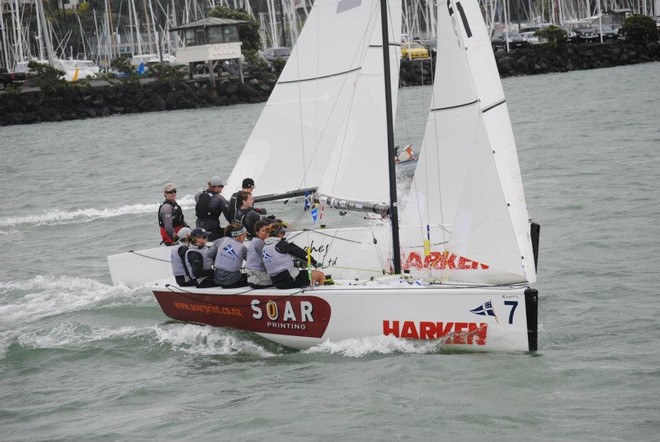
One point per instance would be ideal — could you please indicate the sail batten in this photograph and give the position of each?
(493, 106)
(438, 109)
(335, 74)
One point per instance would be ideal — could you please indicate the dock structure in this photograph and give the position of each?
(210, 40)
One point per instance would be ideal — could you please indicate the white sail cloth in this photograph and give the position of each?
(467, 186)
(327, 108)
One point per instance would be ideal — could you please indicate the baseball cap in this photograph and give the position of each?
(217, 181)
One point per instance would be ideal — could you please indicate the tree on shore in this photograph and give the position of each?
(639, 28)
(554, 35)
(249, 33)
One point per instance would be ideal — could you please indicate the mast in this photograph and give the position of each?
(394, 211)
(46, 35)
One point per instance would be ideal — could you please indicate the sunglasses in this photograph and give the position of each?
(171, 191)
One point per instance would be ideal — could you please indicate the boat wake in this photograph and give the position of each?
(45, 296)
(356, 348)
(208, 341)
(58, 217)
(52, 312)
(69, 334)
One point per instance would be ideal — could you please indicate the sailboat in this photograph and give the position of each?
(457, 264)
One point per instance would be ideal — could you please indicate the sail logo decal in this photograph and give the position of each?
(441, 261)
(485, 309)
(229, 250)
(458, 333)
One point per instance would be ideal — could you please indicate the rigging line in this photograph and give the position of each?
(325, 234)
(332, 111)
(359, 56)
(379, 271)
(149, 257)
(300, 112)
(298, 82)
(424, 153)
(379, 255)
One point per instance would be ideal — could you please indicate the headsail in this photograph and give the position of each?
(312, 110)
(467, 185)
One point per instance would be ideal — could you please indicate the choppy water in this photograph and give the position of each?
(83, 360)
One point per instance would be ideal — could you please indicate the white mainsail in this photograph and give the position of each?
(467, 186)
(358, 168)
(307, 115)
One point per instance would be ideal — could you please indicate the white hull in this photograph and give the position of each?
(466, 318)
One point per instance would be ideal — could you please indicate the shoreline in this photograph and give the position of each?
(107, 99)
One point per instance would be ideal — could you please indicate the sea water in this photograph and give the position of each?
(81, 359)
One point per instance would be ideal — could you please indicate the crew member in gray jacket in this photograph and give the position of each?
(229, 258)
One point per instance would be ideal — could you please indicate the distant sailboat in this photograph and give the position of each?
(73, 69)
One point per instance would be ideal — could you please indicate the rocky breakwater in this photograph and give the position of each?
(416, 72)
(101, 99)
(543, 59)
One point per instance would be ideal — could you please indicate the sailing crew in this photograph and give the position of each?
(257, 275)
(210, 204)
(198, 264)
(229, 258)
(177, 258)
(246, 186)
(170, 216)
(278, 256)
(246, 214)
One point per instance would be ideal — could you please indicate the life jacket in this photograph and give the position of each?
(203, 206)
(248, 218)
(178, 267)
(275, 261)
(230, 255)
(177, 216)
(254, 260)
(232, 206)
(239, 216)
(207, 261)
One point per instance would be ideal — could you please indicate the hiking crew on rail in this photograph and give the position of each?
(268, 259)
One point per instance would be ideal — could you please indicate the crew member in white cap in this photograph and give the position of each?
(179, 269)
(210, 205)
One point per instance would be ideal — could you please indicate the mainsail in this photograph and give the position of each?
(328, 100)
(467, 187)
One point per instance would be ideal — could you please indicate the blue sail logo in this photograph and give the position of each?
(485, 309)
(230, 251)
